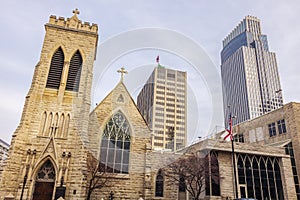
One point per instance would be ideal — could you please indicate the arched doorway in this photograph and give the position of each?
(44, 182)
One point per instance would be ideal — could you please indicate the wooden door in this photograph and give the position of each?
(43, 191)
(44, 182)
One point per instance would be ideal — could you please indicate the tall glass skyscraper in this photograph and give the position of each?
(250, 80)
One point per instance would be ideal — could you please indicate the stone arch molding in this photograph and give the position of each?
(54, 49)
(50, 149)
(169, 41)
(67, 55)
(41, 162)
(106, 120)
(72, 53)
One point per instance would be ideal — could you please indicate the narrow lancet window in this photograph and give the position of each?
(56, 68)
(115, 145)
(159, 184)
(74, 72)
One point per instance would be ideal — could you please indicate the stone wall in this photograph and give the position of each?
(256, 131)
(30, 148)
(124, 186)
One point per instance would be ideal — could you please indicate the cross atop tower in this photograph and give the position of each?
(76, 12)
(122, 71)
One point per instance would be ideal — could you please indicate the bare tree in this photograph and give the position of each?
(192, 172)
(96, 175)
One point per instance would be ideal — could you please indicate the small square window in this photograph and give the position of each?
(272, 129)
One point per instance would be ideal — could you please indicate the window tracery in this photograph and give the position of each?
(57, 126)
(115, 145)
(46, 172)
(259, 177)
(74, 72)
(159, 184)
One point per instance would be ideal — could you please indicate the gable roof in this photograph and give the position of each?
(120, 86)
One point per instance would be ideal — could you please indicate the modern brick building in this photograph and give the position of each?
(263, 172)
(279, 128)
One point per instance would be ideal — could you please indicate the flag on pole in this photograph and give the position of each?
(228, 133)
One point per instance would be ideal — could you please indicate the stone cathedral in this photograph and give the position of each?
(47, 146)
(50, 149)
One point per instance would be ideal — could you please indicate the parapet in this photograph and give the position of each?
(244, 25)
(73, 23)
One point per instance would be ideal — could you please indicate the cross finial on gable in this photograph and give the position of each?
(76, 12)
(122, 71)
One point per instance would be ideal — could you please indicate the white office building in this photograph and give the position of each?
(163, 103)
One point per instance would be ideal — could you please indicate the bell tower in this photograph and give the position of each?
(54, 124)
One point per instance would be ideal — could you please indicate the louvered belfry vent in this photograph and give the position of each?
(56, 67)
(74, 72)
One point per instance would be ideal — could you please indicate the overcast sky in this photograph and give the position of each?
(205, 22)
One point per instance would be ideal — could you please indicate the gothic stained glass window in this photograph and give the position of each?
(260, 175)
(212, 175)
(115, 145)
(181, 186)
(46, 172)
(55, 71)
(159, 184)
(74, 72)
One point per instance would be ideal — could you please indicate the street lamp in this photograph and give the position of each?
(24, 181)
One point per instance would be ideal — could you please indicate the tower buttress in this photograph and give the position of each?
(56, 109)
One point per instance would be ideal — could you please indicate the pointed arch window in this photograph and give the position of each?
(271, 179)
(115, 145)
(263, 178)
(61, 125)
(159, 184)
(181, 185)
(43, 123)
(54, 125)
(212, 175)
(74, 72)
(256, 177)
(249, 177)
(55, 71)
(278, 180)
(46, 172)
(66, 126)
(241, 170)
(49, 124)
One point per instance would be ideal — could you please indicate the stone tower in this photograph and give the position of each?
(47, 156)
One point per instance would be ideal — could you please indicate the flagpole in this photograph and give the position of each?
(234, 169)
(233, 157)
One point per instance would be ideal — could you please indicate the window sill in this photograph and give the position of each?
(50, 91)
(69, 93)
(117, 176)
